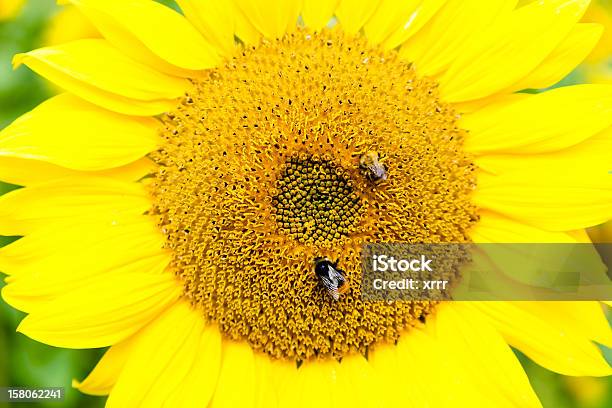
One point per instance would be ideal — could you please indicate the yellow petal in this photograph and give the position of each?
(492, 102)
(549, 121)
(66, 25)
(152, 34)
(95, 71)
(104, 376)
(166, 362)
(564, 351)
(416, 349)
(563, 59)
(74, 247)
(85, 137)
(355, 378)
(312, 373)
(265, 386)
(32, 292)
(518, 43)
(385, 365)
(288, 385)
(214, 20)
(592, 155)
(102, 313)
(421, 349)
(237, 372)
(445, 36)
(388, 18)
(353, 14)
(272, 18)
(469, 339)
(583, 318)
(415, 22)
(199, 385)
(495, 228)
(318, 13)
(26, 172)
(244, 28)
(557, 200)
(23, 210)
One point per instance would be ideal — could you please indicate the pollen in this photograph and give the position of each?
(262, 172)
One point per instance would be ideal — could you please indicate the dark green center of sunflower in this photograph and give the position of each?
(275, 160)
(315, 200)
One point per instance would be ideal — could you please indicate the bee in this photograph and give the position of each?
(371, 167)
(332, 278)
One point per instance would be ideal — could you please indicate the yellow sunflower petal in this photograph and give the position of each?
(165, 377)
(519, 43)
(584, 318)
(310, 374)
(214, 20)
(24, 172)
(421, 349)
(104, 376)
(355, 377)
(318, 13)
(272, 18)
(102, 313)
(549, 121)
(353, 14)
(385, 364)
(32, 292)
(244, 28)
(592, 155)
(152, 34)
(95, 71)
(415, 22)
(85, 136)
(286, 374)
(237, 372)
(265, 386)
(417, 349)
(564, 351)
(199, 385)
(164, 359)
(444, 37)
(23, 210)
(74, 246)
(484, 355)
(496, 228)
(557, 200)
(563, 59)
(388, 18)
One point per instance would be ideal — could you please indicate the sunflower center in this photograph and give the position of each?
(299, 150)
(315, 201)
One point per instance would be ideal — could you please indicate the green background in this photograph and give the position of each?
(24, 362)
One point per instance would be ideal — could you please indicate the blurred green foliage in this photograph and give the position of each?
(27, 363)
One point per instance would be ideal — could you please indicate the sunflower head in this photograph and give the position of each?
(240, 155)
(257, 183)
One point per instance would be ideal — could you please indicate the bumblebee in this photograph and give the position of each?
(371, 167)
(332, 278)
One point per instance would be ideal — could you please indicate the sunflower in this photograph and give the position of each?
(179, 193)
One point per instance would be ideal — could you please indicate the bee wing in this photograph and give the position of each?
(331, 285)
